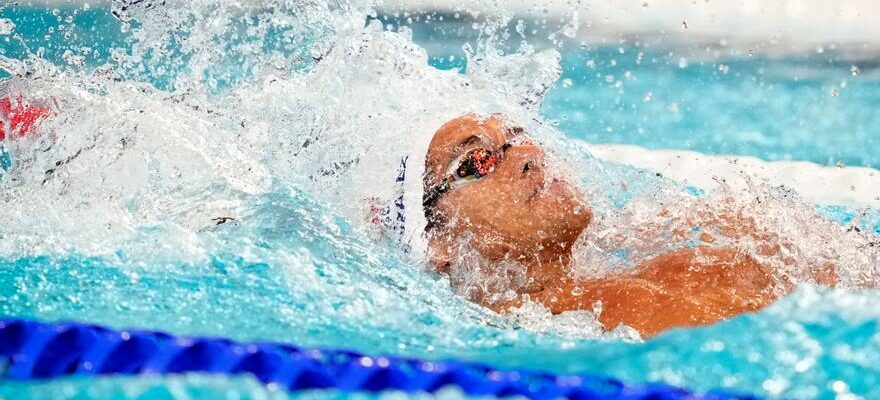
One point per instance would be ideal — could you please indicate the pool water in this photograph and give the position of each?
(280, 116)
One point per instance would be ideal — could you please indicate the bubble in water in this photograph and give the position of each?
(835, 92)
(6, 26)
(566, 83)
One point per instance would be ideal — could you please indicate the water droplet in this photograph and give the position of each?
(724, 68)
(855, 71)
(566, 83)
(87, 6)
(648, 96)
(591, 64)
(839, 386)
(682, 62)
(6, 26)
(56, 12)
(835, 92)
(73, 59)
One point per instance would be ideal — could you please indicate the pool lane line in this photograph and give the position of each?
(32, 350)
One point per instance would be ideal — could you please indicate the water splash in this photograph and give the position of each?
(286, 118)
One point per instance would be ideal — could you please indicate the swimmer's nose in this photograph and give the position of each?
(524, 160)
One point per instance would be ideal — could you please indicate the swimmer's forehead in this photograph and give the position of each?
(462, 133)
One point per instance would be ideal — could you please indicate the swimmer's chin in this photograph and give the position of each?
(562, 188)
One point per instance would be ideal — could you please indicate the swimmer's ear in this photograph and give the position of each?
(441, 262)
(439, 257)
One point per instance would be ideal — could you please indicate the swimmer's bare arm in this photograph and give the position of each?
(684, 288)
(732, 224)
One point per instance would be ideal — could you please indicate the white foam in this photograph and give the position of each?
(850, 186)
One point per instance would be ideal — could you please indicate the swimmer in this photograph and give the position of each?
(486, 191)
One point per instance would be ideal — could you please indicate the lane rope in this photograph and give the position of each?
(32, 350)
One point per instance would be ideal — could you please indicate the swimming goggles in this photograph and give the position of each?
(470, 166)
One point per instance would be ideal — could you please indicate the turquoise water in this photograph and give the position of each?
(294, 266)
(353, 294)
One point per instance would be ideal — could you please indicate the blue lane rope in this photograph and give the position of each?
(36, 350)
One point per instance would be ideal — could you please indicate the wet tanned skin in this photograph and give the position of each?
(513, 213)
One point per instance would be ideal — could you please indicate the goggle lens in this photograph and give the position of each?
(476, 163)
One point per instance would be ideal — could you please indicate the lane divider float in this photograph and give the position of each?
(31, 350)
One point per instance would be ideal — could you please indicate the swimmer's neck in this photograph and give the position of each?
(548, 270)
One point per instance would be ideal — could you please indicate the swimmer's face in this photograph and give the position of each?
(497, 195)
